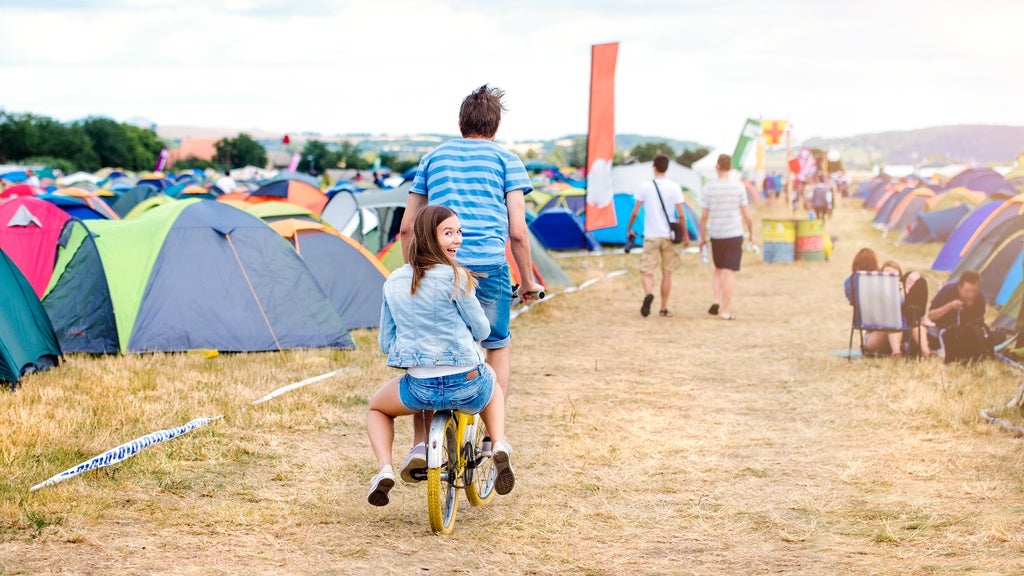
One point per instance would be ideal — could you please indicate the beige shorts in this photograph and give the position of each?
(659, 253)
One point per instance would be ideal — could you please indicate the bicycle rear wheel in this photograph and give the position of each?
(480, 470)
(442, 483)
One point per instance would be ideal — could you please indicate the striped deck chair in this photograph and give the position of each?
(877, 303)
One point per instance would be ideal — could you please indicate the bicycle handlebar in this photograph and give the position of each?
(538, 294)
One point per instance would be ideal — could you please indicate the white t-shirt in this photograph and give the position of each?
(654, 219)
(723, 200)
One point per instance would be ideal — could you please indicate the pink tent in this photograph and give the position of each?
(21, 190)
(29, 230)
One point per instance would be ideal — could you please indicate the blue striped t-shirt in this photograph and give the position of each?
(472, 178)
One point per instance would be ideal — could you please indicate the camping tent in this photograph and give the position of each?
(984, 180)
(29, 228)
(298, 192)
(27, 341)
(974, 227)
(936, 226)
(350, 276)
(21, 191)
(956, 196)
(76, 207)
(993, 256)
(147, 205)
(130, 198)
(273, 211)
(624, 207)
(560, 229)
(201, 274)
(372, 218)
(92, 199)
(906, 211)
(627, 178)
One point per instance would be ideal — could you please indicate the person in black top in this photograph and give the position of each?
(959, 303)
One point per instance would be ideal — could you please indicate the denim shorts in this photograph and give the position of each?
(468, 392)
(494, 291)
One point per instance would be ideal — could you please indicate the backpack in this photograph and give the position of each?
(965, 343)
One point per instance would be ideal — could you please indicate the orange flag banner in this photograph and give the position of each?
(601, 137)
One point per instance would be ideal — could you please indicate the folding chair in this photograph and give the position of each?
(877, 304)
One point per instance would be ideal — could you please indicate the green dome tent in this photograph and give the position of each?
(192, 274)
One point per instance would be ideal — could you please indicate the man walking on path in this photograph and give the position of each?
(664, 201)
(725, 213)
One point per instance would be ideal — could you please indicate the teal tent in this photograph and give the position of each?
(27, 341)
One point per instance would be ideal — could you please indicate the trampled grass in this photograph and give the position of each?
(687, 445)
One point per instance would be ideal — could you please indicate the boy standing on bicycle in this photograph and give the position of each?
(485, 185)
(430, 324)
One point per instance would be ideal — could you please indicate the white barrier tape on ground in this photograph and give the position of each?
(132, 448)
(125, 451)
(522, 309)
(297, 385)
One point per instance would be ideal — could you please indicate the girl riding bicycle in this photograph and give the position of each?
(431, 322)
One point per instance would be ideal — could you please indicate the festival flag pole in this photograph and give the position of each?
(789, 171)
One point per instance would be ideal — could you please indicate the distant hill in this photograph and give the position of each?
(411, 144)
(978, 144)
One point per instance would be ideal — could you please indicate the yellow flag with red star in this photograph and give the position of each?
(773, 131)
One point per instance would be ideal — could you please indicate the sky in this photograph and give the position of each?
(687, 69)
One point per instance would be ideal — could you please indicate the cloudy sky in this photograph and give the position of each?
(687, 69)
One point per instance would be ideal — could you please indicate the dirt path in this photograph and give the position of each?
(687, 445)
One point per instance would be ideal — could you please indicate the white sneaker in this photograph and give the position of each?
(415, 461)
(505, 480)
(380, 485)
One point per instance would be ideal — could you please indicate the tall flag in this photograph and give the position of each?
(601, 137)
(293, 165)
(161, 161)
(773, 131)
(750, 131)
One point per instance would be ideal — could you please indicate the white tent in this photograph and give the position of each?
(628, 178)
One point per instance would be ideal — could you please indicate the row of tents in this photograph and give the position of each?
(978, 216)
(284, 266)
(557, 215)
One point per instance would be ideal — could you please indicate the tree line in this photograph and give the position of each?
(87, 145)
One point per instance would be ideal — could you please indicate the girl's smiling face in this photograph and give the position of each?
(449, 236)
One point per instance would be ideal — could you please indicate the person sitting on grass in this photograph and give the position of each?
(431, 324)
(875, 342)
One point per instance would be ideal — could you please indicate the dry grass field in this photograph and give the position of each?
(686, 445)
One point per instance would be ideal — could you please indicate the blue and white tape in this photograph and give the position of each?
(129, 449)
(125, 451)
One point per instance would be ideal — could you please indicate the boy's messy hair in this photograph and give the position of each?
(481, 112)
(425, 251)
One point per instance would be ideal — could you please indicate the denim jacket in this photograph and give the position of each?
(434, 327)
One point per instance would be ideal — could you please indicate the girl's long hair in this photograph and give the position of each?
(425, 251)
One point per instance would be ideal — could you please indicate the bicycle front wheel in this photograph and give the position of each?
(442, 483)
(481, 473)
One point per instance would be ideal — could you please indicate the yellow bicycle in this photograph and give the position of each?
(458, 457)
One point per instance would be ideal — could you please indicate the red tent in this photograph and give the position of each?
(29, 230)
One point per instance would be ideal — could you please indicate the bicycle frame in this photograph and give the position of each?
(463, 422)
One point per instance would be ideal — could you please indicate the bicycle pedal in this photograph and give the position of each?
(419, 475)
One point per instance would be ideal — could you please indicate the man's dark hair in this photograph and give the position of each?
(724, 162)
(970, 277)
(661, 163)
(481, 112)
